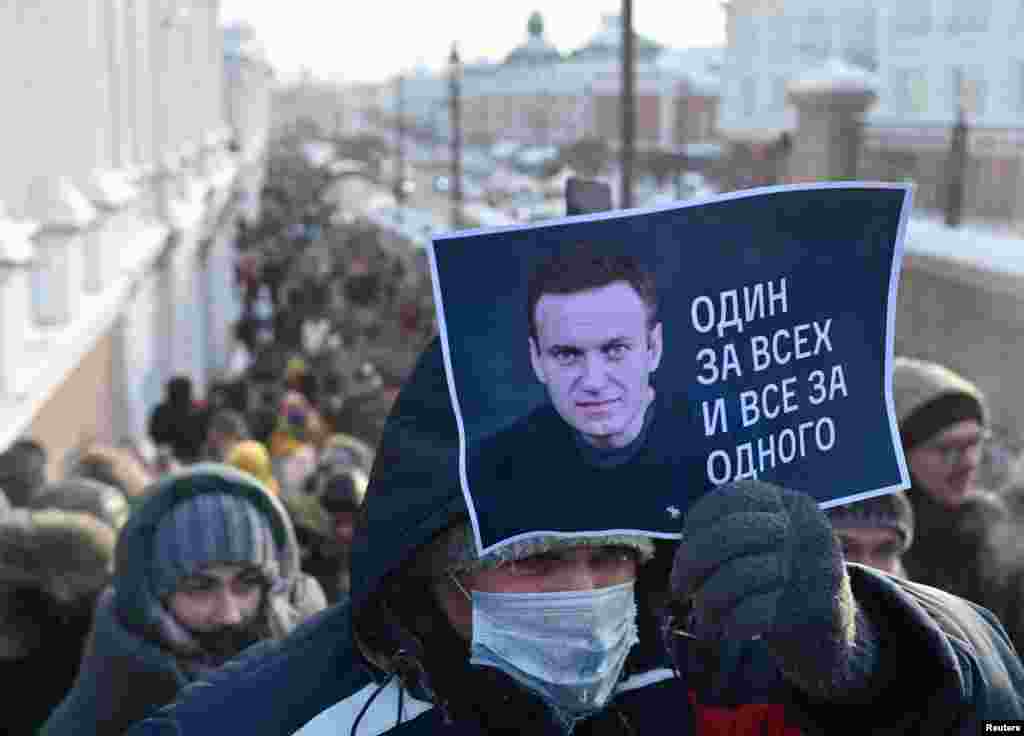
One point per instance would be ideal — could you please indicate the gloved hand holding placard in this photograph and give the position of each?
(635, 360)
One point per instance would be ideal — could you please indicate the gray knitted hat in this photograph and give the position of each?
(211, 529)
(454, 550)
(930, 397)
(891, 511)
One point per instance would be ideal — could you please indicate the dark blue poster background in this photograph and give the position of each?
(833, 250)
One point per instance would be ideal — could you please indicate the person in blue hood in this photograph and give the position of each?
(205, 567)
(752, 623)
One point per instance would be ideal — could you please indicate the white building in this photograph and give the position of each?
(537, 94)
(128, 158)
(933, 51)
(922, 51)
(926, 56)
(770, 42)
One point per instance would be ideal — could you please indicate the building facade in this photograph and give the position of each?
(928, 58)
(935, 58)
(129, 158)
(539, 95)
(770, 42)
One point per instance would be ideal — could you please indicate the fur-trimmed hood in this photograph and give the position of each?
(130, 666)
(134, 599)
(59, 556)
(66, 554)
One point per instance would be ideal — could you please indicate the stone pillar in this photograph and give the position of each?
(90, 93)
(19, 92)
(120, 72)
(213, 71)
(667, 97)
(208, 162)
(139, 35)
(64, 215)
(166, 183)
(831, 102)
(163, 115)
(195, 77)
(53, 99)
(109, 192)
(214, 155)
(164, 318)
(15, 304)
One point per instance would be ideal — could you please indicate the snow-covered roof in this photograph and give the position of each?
(834, 76)
(240, 42)
(608, 40)
(536, 49)
(57, 202)
(536, 67)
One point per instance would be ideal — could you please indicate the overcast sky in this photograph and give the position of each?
(372, 40)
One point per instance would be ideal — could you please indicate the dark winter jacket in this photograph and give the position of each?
(129, 669)
(53, 565)
(1005, 548)
(951, 548)
(651, 472)
(946, 664)
(958, 550)
(180, 427)
(55, 633)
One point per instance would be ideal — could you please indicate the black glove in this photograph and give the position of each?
(758, 560)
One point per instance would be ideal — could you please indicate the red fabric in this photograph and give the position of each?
(763, 719)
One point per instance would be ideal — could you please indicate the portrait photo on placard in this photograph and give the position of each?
(606, 370)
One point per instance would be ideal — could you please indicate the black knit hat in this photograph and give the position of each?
(891, 511)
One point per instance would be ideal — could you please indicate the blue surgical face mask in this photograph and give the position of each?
(568, 647)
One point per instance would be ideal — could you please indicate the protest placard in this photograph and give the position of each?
(606, 370)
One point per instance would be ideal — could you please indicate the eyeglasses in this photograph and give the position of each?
(953, 453)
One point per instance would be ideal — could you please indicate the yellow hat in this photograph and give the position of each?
(252, 457)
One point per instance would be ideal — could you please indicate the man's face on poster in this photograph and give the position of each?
(595, 352)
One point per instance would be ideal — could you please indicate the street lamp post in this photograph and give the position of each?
(400, 153)
(957, 165)
(627, 104)
(455, 103)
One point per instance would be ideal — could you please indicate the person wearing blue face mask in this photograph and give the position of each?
(751, 623)
(513, 604)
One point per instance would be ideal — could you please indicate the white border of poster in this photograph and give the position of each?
(894, 278)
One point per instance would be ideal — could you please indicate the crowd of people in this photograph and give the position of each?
(295, 542)
(100, 627)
